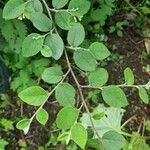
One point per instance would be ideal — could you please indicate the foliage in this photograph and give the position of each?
(43, 42)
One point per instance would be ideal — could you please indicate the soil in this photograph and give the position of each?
(131, 47)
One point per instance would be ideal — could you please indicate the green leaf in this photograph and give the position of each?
(99, 50)
(76, 35)
(7, 124)
(66, 117)
(37, 5)
(98, 116)
(46, 51)
(79, 135)
(13, 9)
(41, 21)
(52, 75)
(143, 95)
(3, 143)
(24, 125)
(32, 7)
(129, 76)
(64, 20)
(59, 3)
(110, 121)
(113, 141)
(56, 44)
(34, 95)
(63, 136)
(42, 116)
(81, 7)
(137, 142)
(84, 60)
(32, 44)
(147, 125)
(98, 78)
(114, 96)
(65, 94)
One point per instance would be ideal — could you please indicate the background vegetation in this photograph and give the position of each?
(74, 74)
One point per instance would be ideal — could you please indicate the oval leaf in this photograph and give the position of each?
(81, 7)
(65, 94)
(99, 50)
(66, 117)
(143, 95)
(98, 78)
(41, 21)
(46, 51)
(59, 3)
(56, 44)
(64, 20)
(129, 76)
(32, 44)
(32, 7)
(113, 141)
(114, 96)
(42, 116)
(34, 95)
(13, 9)
(76, 35)
(24, 125)
(84, 60)
(52, 75)
(79, 135)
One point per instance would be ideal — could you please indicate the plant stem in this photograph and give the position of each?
(75, 79)
(50, 15)
(127, 121)
(52, 91)
(121, 85)
(82, 97)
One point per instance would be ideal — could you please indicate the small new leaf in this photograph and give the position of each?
(24, 125)
(98, 116)
(143, 95)
(46, 51)
(42, 116)
(129, 76)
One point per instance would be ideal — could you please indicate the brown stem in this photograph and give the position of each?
(75, 79)
(82, 97)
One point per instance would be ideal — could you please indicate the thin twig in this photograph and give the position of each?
(50, 15)
(82, 97)
(75, 79)
(126, 122)
(121, 85)
(49, 94)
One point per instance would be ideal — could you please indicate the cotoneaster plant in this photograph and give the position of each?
(59, 35)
